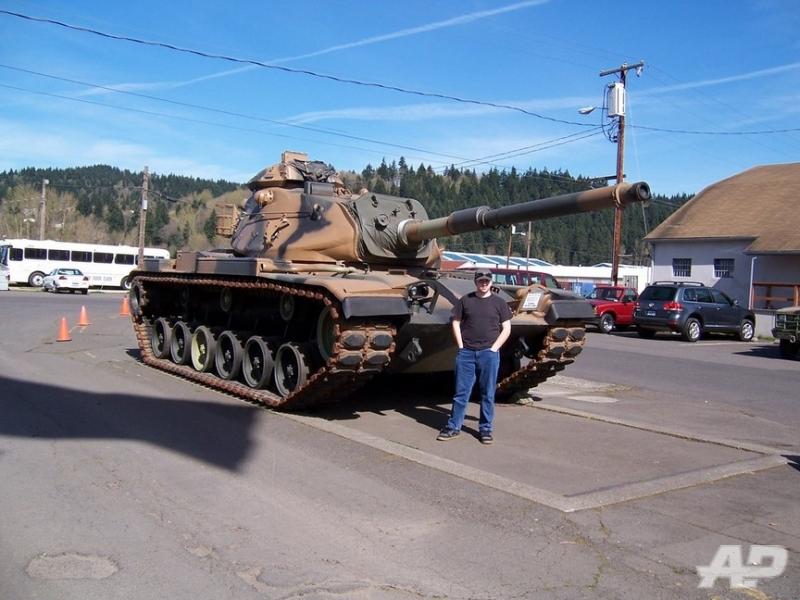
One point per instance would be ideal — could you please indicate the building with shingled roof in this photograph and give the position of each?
(740, 235)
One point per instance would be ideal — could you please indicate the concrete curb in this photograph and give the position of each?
(559, 502)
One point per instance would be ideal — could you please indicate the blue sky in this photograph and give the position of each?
(712, 66)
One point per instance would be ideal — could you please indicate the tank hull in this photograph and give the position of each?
(298, 338)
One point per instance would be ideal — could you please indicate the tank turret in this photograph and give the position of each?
(302, 212)
(324, 289)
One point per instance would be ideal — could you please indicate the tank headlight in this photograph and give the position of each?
(418, 292)
(532, 300)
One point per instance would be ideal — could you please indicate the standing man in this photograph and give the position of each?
(481, 325)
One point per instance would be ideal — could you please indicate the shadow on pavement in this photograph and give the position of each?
(424, 398)
(767, 350)
(794, 461)
(218, 434)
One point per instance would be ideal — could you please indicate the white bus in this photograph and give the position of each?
(28, 261)
(4, 274)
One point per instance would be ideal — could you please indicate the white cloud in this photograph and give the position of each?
(22, 146)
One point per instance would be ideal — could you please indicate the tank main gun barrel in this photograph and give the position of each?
(412, 232)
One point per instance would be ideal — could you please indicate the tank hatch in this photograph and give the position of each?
(293, 171)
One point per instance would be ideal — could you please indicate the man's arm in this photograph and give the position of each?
(504, 333)
(457, 333)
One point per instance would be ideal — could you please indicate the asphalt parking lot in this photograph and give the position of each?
(655, 476)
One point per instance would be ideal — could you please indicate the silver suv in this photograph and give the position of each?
(691, 309)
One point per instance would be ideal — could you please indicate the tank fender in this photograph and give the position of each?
(569, 310)
(374, 306)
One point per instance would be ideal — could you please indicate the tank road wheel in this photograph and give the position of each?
(326, 333)
(180, 343)
(136, 298)
(291, 368)
(257, 362)
(228, 357)
(161, 337)
(286, 307)
(203, 346)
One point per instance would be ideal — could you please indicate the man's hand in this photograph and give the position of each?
(501, 339)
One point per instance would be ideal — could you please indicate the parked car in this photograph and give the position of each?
(520, 277)
(691, 309)
(787, 330)
(64, 278)
(613, 307)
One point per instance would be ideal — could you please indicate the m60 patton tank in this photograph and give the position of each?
(322, 289)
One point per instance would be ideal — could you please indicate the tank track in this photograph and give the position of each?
(360, 351)
(559, 347)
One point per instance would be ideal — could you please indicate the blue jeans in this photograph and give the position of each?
(471, 365)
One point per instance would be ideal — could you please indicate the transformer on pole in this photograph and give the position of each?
(616, 105)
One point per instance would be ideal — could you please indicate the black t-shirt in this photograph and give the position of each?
(481, 319)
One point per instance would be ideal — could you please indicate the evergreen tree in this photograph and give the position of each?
(210, 226)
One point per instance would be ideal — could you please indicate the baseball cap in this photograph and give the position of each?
(483, 275)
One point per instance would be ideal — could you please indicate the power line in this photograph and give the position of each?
(200, 121)
(181, 118)
(530, 150)
(708, 99)
(229, 112)
(291, 70)
(694, 132)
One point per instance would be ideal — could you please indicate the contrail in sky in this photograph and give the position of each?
(709, 82)
(468, 18)
(452, 22)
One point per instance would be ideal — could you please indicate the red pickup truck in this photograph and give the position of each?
(613, 306)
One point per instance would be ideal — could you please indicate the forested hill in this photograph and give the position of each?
(90, 182)
(101, 203)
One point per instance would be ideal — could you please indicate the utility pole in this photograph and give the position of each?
(143, 217)
(43, 209)
(528, 256)
(617, 97)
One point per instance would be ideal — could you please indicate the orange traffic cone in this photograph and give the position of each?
(63, 331)
(84, 319)
(124, 310)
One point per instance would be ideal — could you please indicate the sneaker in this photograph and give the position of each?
(447, 434)
(486, 438)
